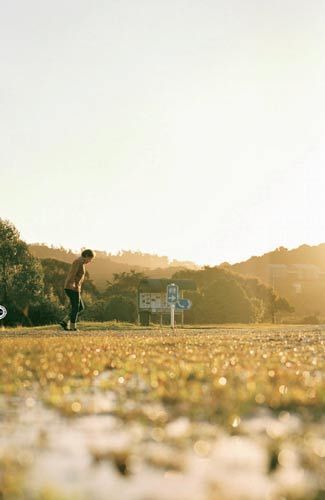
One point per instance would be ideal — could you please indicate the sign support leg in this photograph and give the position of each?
(172, 315)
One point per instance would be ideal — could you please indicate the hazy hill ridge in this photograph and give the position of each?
(297, 274)
(306, 258)
(106, 264)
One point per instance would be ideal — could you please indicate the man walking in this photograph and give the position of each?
(72, 288)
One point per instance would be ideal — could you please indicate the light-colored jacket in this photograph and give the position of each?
(76, 275)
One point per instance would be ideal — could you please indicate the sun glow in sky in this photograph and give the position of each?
(188, 128)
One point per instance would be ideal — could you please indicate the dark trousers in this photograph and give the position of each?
(77, 304)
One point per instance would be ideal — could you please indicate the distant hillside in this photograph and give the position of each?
(305, 254)
(105, 265)
(149, 261)
(297, 274)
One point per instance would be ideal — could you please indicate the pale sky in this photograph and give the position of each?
(188, 128)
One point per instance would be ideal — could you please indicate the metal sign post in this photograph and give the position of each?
(172, 298)
(172, 315)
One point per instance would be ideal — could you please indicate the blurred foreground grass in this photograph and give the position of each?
(217, 378)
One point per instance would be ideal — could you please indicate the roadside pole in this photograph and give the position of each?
(175, 302)
(172, 315)
(172, 297)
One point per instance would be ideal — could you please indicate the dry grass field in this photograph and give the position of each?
(119, 412)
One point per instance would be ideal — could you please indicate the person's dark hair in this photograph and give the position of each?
(88, 253)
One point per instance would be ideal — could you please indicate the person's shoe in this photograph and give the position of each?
(73, 327)
(64, 325)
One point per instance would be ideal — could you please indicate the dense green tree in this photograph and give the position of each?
(269, 301)
(45, 312)
(225, 301)
(280, 304)
(96, 311)
(117, 308)
(221, 301)
(124, 284)
(21, 275)
(121, 308)
(225, 296)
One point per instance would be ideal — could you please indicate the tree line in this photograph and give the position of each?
(32, 291)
